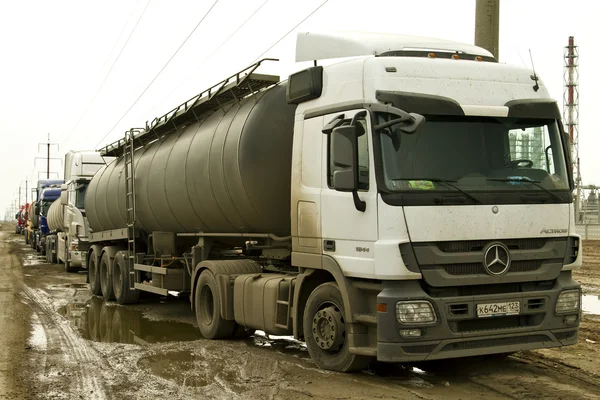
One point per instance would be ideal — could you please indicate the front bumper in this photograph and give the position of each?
(458, 332)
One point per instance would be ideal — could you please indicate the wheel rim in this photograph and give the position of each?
(328, 328)
(206, 305)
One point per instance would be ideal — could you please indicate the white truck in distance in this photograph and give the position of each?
(413, 202)
(68, 242)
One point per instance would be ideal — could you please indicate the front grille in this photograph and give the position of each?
(465, 246)
(495, 323)
(477, 344)
(477, 268)
(423, 349)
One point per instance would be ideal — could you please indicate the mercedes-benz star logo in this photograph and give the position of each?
(496, 259)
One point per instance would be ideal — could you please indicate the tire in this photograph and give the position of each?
(325, 331)
(53, 256)
(208, 305)
(26, 237)
(48, 252)
(120, 280)
(105, 278)
(68, 268)
(94, 274)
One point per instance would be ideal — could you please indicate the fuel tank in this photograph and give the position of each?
(229, 173)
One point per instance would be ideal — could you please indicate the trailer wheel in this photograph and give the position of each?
(51, 251)
(105, 278)
(94, 274)
(26, 234)
(121, 280)
(208, 305)
(325, 331)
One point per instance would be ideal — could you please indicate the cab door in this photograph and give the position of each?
(349, 227)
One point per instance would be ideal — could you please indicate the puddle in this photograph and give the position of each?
(283, 344)
(110, 323)
(171, 366)
(33, 259)
(590, 304)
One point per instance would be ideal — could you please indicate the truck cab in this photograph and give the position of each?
(70, 241)
(47, 196)
(456, 206)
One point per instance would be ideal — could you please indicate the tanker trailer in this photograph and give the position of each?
(32, 226)
(373, 208)
(243, 142)
(55, 224)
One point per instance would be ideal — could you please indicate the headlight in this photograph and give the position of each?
(568, 301)
(415, 312)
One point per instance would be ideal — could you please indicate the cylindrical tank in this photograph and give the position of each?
(229, 173)
(56, 216)
(33, 218)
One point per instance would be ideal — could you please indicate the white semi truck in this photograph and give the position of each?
(68, 242)
(411, 202)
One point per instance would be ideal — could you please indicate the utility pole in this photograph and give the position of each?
(487, 25)
(48, 145)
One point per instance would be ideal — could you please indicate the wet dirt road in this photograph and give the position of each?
(59, 342)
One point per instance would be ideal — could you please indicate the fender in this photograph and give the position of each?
(332, 267)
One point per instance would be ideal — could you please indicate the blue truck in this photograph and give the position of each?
(47, 196)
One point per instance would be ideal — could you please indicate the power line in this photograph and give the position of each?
(290, 31)
(213, 53)
(159, 72)
(110, 70)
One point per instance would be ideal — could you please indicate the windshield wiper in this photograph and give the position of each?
(447, 183)
(525, 179)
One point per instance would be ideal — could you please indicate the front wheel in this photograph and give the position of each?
(325, 331)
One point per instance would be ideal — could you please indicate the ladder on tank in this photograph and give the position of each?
(130, 204)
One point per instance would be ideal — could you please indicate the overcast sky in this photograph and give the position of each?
(58, 73)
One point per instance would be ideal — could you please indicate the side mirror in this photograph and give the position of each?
(344, 155)
(64, 199)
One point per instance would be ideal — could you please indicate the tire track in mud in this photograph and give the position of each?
(78, 356)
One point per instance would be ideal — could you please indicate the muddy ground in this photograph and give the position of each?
(59, 342)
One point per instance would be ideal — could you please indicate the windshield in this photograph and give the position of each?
(80, 190)
(474, 154)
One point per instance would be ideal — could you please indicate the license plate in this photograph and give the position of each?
(498, 309)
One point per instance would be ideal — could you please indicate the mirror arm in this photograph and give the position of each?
(360, 205)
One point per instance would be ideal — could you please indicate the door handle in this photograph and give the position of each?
(329, 245)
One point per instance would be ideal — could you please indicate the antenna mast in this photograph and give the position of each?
(571, 114)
